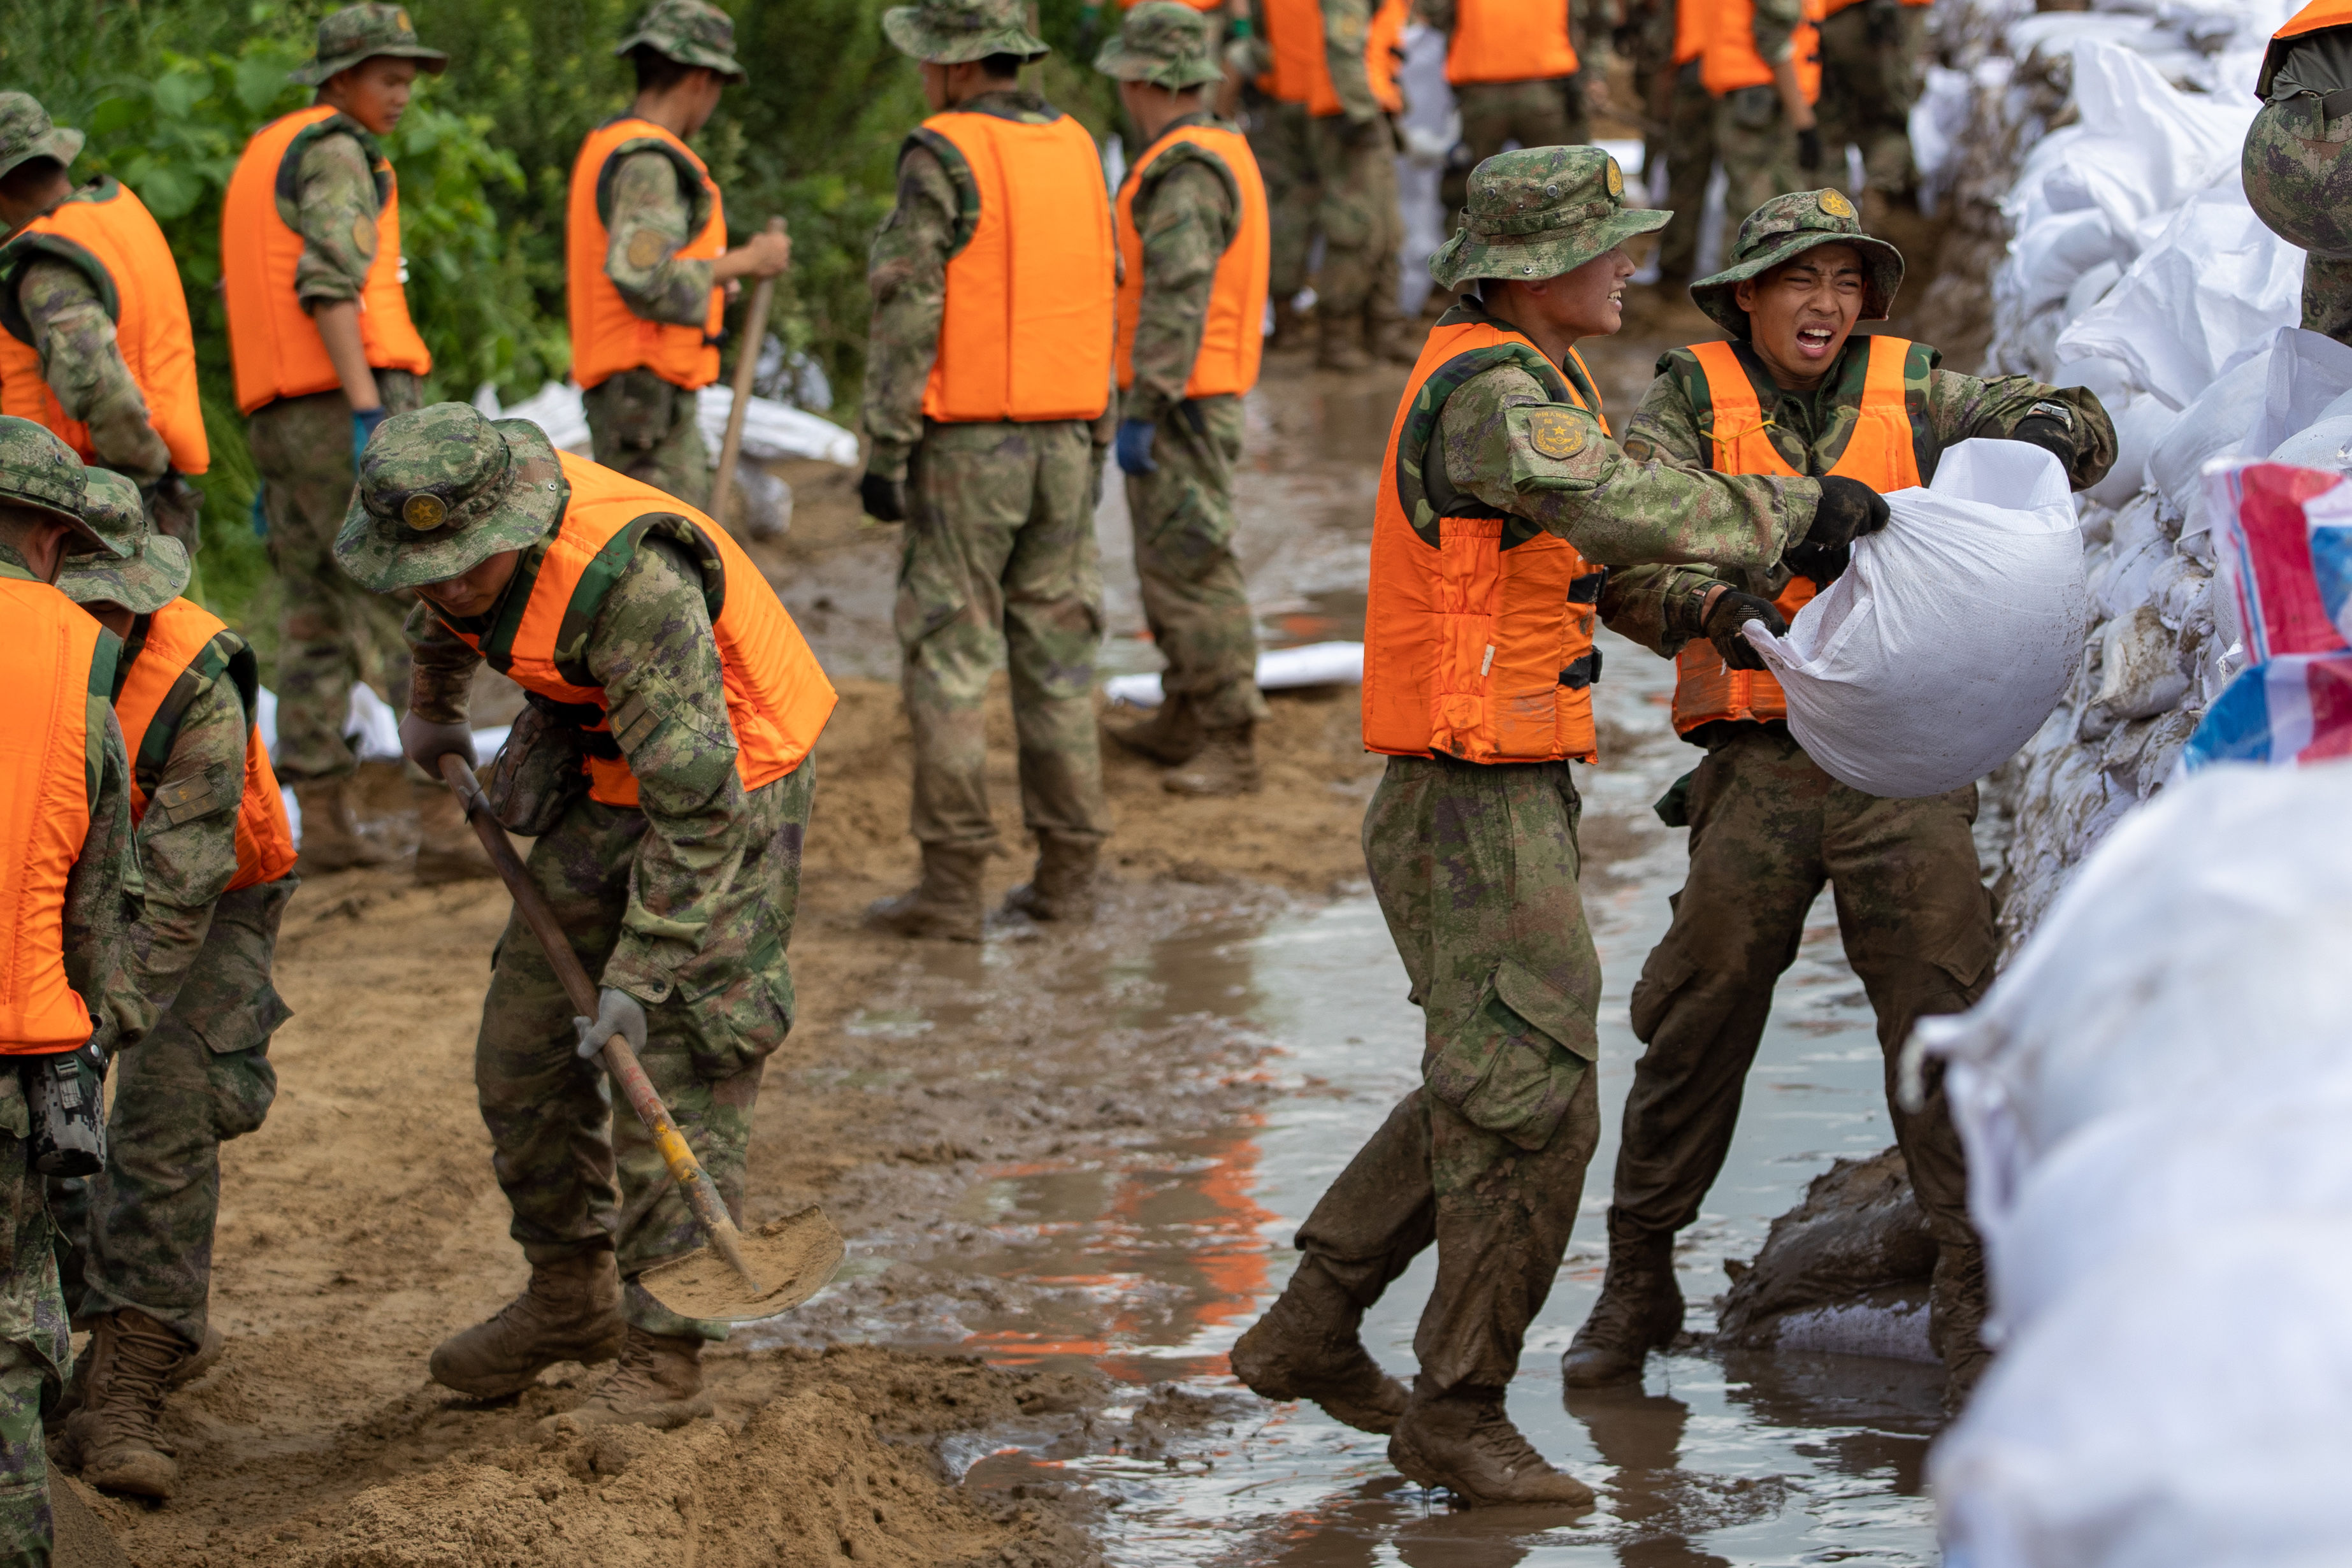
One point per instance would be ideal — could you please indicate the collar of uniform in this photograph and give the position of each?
(13, 565)
(1805, 414)
(1469, 308)
(1203, 116)
(1011, 103)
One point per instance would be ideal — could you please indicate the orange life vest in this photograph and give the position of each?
(1294, 37)
(1879, 453)
(1693, 18)
(1731, 61)
(1509, 40)
(273, 342)
(1478, 626)
(185, 646)
(608, 337)
(1383, 49)
(1027, 330)
(108, 234)
(777, 695)
(2315, 17)
(1232, 339)
(59, 665)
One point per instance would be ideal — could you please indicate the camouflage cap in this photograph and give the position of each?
(41, 472)
(690, 32)
(1164, 43)
(950, 32)
(1540, 212)
(153, 574)
(1786, 228)
(359, 32)
(26, 132)
(441, 491)
(2297, 178)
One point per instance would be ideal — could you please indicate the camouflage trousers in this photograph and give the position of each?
(579, 1170)
(1476, 869)
(1362, 227)
(36, 1343)
(1871, 56)
(1546, 112)
(1279, 139)
(1757, 148)
(641, 426)
(332, 632)
(2327, 297)
(1690, 162)
(999, 565)
(1194, 600)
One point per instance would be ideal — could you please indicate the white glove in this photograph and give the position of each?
(617, 1012)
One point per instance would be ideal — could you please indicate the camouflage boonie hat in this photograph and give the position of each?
(359, 32)
(153, 574)
(950, 32)
(1164, 43)
(26, 132)
(1786, 228)
(2298, 176)
(441, 491)
(41, 472)
(1539, 212)
(690, 32)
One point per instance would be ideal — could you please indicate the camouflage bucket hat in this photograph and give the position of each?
(2297, 178)
(690, 32)
(1164, 43)
(950, 32)
(359, 32)
(441, 491)
(39, 472)
(1540, 212)
(1786, 228)
(26, 132)
(153, 574)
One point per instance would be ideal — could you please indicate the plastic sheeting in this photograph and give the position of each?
(772, 431)
(1279, 669)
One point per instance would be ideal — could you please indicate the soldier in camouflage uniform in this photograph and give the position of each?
(682, 905)
(1178, 452)
(1873, 52)
(1767, 826)
(1475, 864)
(1286, 158)
(1541, 111)
(1357, 316)
(1765, 136)
(1687, 139)
(2298, 176)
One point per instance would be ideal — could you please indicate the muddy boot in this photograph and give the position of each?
(1463, 1441)
(1306, 1347)
(1339, 343)
(571, 1311)
(945, 903)
(1956, 1315)
(1640, 1310)
(449, 850)
(331, 833)
(1171, 737)
(658, 1384)
(132, 1360)
(1062, 885)
(1227, 766)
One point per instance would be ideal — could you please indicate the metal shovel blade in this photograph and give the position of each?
(792, 1258)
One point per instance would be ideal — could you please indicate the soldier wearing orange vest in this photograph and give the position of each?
(1874, 53)
(1351, 103)
(662, 767)
(1687, 140)
(1515, 72)
(1796, 393)
(1274, 104)
(1504, 506)
(219, 860)
(2297, 178)
(1761, 64)
(95, 345)
(647, 246)
(989, 408)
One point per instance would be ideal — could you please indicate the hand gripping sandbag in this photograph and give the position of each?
(1951, 637)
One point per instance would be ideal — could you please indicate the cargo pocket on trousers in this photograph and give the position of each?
(1512, 1063)
(735, 1022)
(243, 1086)
(1663, 975)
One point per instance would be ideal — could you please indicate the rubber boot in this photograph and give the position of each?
(1339, 344)
(945, 903)
(1640, 1310)
(132, 1360)
(1307, 1347)
(571, 1311)
(1227, 765)
(1956, 1315)
(1062, 885)
(330, 833)
(1171, 737)
(449, 850)
(658, 1384)
(1462, 1441)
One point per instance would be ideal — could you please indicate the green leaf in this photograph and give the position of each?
(115, 114)
(259, 79)
(169, 191)
(178, 94)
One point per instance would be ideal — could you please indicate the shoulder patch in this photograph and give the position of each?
(647, 249)
(1555, 433)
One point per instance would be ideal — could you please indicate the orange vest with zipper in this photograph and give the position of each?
(2315, 17)
(777, 696)
(110, 234)
(1476, 646)
(1509, 40)
(1026, 333)
(1233, 338)
(1383, 46)
(1294, 37)
(275, 344)
(608, 337)
(1730, 60)
(1879, 453)
(54, 659)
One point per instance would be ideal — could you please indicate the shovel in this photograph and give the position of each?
(772, 1270)
(747, 366)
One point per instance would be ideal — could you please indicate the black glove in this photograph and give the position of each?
(424, 743)
(62, 1092)
(1731, 611)
(1809, 150)
(1824, 566)
(885, 500)
(1849, 509)
(2050, 434)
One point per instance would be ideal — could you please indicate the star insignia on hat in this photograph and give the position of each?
(399, 20)
(1616, 180)
(1837, 207)
(423, 513)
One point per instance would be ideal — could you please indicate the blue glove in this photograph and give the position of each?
(260, 515)
(363, 423)
(1134, 448)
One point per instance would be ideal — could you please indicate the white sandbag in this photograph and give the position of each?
(1278, 669)
(1951, 637)
(2309, 371)
(2141, 426)
(2212, 425)
(2326, 443)
(556, 408)
(772, 431)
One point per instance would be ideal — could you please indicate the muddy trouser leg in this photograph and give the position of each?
(1849, 76)
(1279, 138)
(2327, 297)
(1759, 149)
(1194, 598)
(1690, 161)
(644, 426)
(1886, 161)
(1051, 590)
(1359, 214)
(1706, 990)
(34, 1361)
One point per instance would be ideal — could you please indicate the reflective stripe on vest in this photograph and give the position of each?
(172, 664)
(2315, 17)
(1879, 453)
(1232, 339)
(1026, 331)
(1478, 628)
(107, 233)
(777, 696)
(1730, 60)
(1294, 36)
(1383, 52)
(608, 337)
(59, 665)
(1509, 40)
(275, 344)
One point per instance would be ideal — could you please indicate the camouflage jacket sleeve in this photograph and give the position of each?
(907, 271)
(441, 677)
(1659, 606)
(1346, 27)
(1185, 210)
(187, 840)
(1967, 406)
(333, 207)
(103, 895)
(1776, 29)
(83, 366)
(651, 218)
